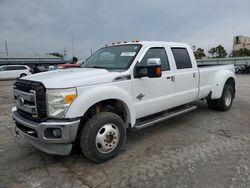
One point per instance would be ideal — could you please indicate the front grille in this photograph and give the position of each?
(30, 99)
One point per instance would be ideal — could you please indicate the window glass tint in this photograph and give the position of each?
(113, 57)
(22, 68)
(10, 68)
(156, 53)
(182, 58)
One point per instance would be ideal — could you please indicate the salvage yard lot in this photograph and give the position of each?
(202, 148)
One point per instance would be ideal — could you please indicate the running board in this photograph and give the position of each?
(164, 116)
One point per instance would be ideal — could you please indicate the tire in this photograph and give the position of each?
(226, 100)
(102, 137)
(22, 75)
(211, 103)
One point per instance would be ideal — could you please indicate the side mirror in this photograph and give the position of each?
(151, 70)
(154, 67)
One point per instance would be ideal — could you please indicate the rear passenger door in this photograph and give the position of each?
(186, 76)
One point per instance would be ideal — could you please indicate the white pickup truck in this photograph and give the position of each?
(128, 85)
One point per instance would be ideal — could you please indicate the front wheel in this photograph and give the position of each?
(102, 137)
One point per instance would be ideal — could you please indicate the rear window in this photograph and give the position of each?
(182, 58)
(22, 68)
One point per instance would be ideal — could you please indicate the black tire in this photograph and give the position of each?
(22, 75)
(95, 127)
(226, 100)
(211, 103)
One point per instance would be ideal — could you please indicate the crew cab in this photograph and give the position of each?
(122, 86)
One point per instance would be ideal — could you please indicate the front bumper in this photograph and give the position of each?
(34, 132)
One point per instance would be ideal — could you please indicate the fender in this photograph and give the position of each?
(87, 97)
(219, 82)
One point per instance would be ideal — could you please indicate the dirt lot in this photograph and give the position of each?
(203, 148)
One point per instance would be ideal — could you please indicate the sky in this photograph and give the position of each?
(39, 27)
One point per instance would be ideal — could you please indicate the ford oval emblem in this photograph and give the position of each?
(20, 101)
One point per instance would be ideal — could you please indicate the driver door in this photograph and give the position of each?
(152, 95)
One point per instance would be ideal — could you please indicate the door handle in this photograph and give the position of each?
(193, 75)
(172, 78)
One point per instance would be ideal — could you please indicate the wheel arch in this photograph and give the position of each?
(100, 95)
(222, 77)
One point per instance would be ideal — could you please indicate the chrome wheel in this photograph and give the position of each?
(228, 97)
(107, 138)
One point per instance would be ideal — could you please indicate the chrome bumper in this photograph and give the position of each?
(56, 146)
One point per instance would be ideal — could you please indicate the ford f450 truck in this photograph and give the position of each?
(122, 86)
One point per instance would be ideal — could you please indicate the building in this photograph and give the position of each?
(241, 42)
(30, 60)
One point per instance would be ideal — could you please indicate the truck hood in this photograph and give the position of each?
(66, 78)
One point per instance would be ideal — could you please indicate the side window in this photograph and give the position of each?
(182, 58)
(22, 68)
(10, 68)
(156, 53)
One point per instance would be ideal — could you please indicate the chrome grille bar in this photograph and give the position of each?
(26, 101)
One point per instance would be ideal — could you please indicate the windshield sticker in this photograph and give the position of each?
(128, 54)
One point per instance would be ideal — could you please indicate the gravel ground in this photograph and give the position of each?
(203, 148)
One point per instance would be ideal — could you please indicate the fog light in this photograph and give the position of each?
(52, 133)
(57, 133)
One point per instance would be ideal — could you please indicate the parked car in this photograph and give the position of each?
(69, 65)
(122, 86)
(13, 71)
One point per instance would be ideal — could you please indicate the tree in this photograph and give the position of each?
(218, 52)
(199, 53)
(57, 54)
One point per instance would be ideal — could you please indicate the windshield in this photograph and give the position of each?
(113, 57)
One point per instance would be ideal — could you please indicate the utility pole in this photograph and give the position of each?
(91, 52)
(6, 48)
(72, 45)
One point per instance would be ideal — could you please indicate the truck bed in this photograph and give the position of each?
(207, 74)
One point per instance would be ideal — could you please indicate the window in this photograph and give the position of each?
(113, 57)
(22, 68)
(156, 53)
(182, 58)
(10, 68)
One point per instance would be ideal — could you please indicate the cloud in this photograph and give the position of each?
(46, 26)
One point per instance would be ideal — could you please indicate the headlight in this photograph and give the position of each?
(58, 101)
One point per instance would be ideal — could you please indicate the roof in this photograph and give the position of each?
(157, 43)
(15, 56)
